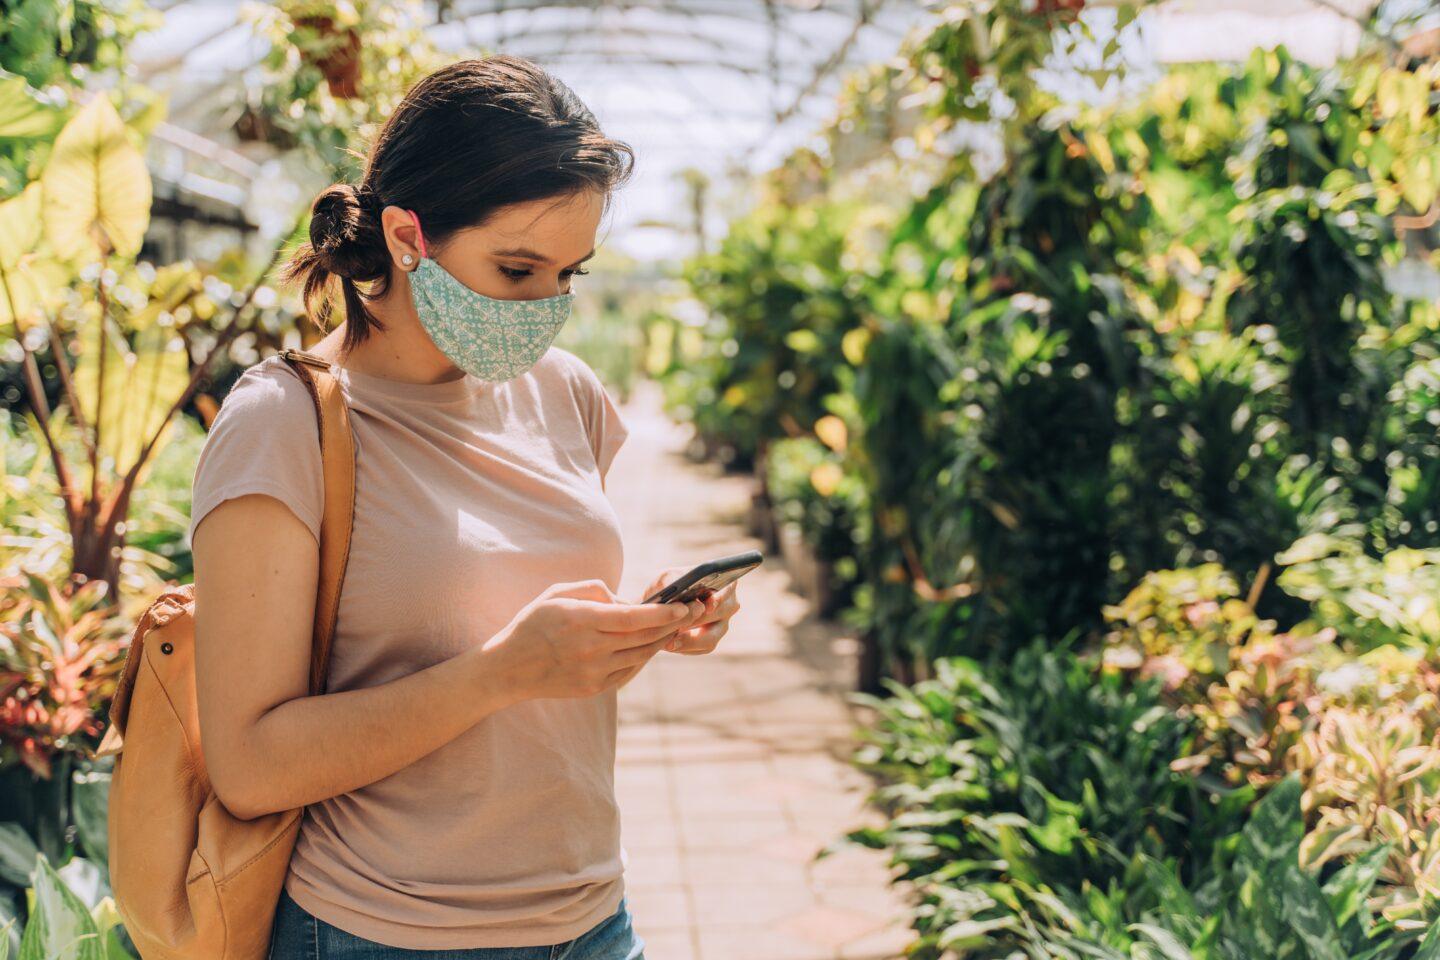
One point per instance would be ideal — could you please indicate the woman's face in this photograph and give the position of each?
(526, 251)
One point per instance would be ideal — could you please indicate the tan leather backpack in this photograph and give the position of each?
(191, 881)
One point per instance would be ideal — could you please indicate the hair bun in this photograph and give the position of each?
(346, 235)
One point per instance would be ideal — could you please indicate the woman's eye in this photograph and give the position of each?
(521, 274)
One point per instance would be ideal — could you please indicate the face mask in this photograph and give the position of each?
(487, 338)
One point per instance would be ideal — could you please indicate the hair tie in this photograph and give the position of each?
(419, 237)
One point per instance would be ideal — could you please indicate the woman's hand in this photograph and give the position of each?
(702, 634)
(579, 640)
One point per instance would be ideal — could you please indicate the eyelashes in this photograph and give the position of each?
(522, 274)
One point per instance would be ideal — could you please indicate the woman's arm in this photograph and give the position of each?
(268, 745)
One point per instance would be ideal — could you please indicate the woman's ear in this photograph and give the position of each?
(401, 237)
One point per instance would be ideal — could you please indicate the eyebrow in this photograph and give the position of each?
(526, 253)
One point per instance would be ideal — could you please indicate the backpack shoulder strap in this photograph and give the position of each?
(337, 451)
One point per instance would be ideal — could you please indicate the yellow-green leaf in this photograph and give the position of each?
(22, 113)
(97, 190)
(31, 285)
(140, 387)
(19, 225)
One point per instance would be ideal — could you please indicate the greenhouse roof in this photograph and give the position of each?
(718, 85)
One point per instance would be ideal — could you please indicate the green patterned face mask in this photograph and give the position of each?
(488, 338)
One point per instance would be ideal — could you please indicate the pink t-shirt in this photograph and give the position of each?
(472, 497)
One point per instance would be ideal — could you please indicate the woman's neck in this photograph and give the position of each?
(402, 351)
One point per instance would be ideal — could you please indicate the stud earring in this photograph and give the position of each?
(407, 259)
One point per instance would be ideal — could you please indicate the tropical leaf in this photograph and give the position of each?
(22, 113)
(60, 927)
(17, 854)
(97, 188)
(140, 387)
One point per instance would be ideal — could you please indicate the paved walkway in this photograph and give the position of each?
(732, 768)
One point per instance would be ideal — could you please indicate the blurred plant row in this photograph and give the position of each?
(1122, 450)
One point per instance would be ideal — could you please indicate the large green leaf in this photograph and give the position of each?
(1429, 947)
(90, 806)
(97, 189)
(1308, 913)
(17, 854)
(22, 113)
(1169, 946)
(1275, 830)
(140, 386)
(1350, 885)
(60, 927)
(19, 225)
(10, 922)
(32, 286)
(107, 921)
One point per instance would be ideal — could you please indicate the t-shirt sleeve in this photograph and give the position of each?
(608, 429)
(264, 439)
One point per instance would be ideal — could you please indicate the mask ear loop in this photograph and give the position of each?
(419, 237)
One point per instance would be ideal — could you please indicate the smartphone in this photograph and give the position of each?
(705, 577)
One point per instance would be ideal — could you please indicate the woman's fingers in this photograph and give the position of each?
(632, 658)
(699, 640)
(632, 617)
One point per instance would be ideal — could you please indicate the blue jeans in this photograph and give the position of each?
(300, 935)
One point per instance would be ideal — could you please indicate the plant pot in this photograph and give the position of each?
(759, 516)
(792, 551)
(868, 666)
(711, 446)
(341, 65)
(825, 594)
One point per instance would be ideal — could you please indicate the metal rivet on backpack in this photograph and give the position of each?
(167, 647)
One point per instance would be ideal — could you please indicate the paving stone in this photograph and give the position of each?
(649, 833)
(852, 865)
(790, 847)
(888, 903)
(887, 943)
(719, 904)
(660, 909)
(757, 943)
(701, 831)
(723, 866)
(647, 869)
(831, 928)
(667, 944)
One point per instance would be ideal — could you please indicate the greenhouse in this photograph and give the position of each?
(720, 480)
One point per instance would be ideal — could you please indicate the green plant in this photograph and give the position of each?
(49, 43)
(809, 485)
(1391, 600)
(61, 652)
(1016, 795)
(1374, 777)
(69, 279)
(60, 926)
(335, 69)
(1261, 902)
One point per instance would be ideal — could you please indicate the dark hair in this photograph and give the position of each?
(465, 141)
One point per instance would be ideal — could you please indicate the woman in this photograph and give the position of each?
(459, 770)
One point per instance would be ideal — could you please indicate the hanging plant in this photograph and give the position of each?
(335, 52)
